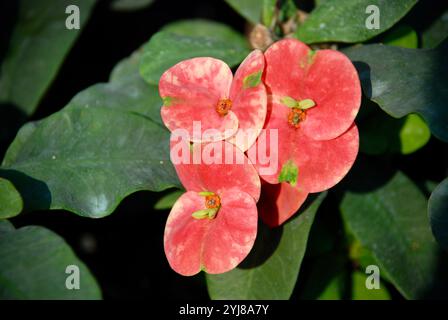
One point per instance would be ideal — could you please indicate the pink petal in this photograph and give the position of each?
(184, 235)
(324, 163)
(214, 245)
(321, 164)
(327, 77)
(249, 100)
(279, 202)
(191, 89)
(231, 237)
(229, 174)
(332, 82)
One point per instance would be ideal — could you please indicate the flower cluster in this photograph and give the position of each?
(296, 105)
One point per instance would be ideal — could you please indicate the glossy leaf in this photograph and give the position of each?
(436, 33)
(345, 20)
(249, 9)
(403, 81)
(438, 213)
(387, 214)
(125, 91)
(381, 133)
(271, 269)
(188, 39)
(39, 44)
(11, 202)
(34, 266)
(86, 160)
(167, 201)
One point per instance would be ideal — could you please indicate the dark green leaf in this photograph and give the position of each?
(130, 5)
(6, 226)
(327, 278)
(11, 202)
(249, 9)
(345, 20)
(387, 214)
(188, 39)
(271, 269)
(403, 81)
(168, 200)
(438, 213)
(126, 91)
(381, 133)
(39, 44)
(87, 160)
(436, 33)
(34, 264)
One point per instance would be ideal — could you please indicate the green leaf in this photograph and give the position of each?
(6, 226)
(387, 214)
(34, 264)
(289, 173)
(334, 289)
(402, 36)
(345, 20)
(168, 200)
(403, 81)
(327, 278)
(187, 39)
(438, 213)
(381, 133)
(268, 12)
(414, 134)
(249, 9)
(271, 269)
(130, 5)
(86, 160)
(125, 91)
(100, 148)
(436, 33)
(360, 291)
(39, 44)
(11, 203)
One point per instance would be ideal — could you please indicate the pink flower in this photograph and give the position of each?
(203, 90)
(313, 99)
(212, 227)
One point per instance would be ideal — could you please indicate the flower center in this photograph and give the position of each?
(295, 117)
(212, 206)
(212, 201)
(223, 106)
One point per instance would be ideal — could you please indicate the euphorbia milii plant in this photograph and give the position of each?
(201, 96)
(313, 99)
(309, 103)
(211, 227)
